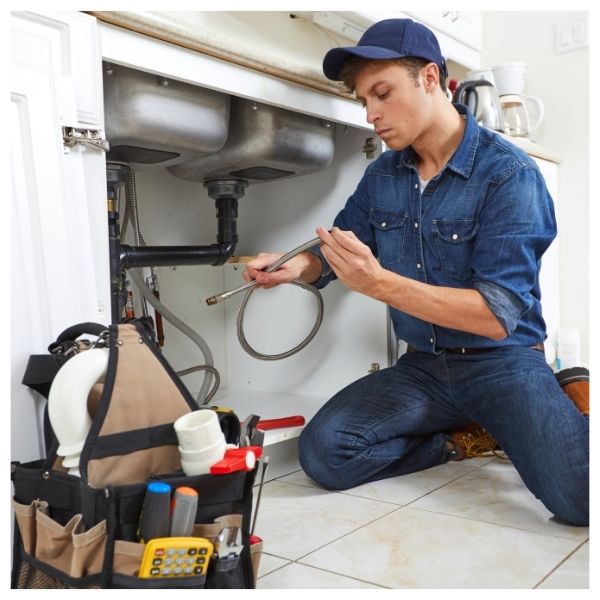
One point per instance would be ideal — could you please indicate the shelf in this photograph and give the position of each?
(270, 405)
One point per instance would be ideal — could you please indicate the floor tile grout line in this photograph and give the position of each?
(345, 493)
(320, 489)
(297, 562)
(562, 562)
(552, 535)
(342, 575)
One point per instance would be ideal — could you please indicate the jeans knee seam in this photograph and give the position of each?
(373, 425)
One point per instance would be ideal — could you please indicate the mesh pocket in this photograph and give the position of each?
(31, 578)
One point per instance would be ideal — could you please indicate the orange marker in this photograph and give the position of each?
(183, 511)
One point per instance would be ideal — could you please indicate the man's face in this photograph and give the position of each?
(396, 106)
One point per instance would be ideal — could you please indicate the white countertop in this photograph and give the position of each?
(532, 148)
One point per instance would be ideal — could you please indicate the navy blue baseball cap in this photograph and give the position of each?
(390, 38)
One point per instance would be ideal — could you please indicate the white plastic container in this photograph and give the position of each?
(199, 462)
(568, 349)
(198, 430)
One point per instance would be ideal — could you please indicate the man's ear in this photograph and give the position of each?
(431, 76)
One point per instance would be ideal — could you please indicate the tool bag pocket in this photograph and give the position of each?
(53, 547)
(68, 535)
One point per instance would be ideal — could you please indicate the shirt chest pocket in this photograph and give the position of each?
(390, 229)
(454, 241)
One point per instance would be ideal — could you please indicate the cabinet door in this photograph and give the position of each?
(59, 242)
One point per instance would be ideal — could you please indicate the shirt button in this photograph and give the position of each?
(416, 186)
(416, 226)
(431, 340)
(418, 265)
(384, 224)
(455, 236)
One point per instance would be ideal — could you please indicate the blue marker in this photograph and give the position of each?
(155, 518)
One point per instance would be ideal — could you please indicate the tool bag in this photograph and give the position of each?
(82, 532)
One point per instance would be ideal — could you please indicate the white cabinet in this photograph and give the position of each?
(462, 26)
(59, 252)
(66, 45)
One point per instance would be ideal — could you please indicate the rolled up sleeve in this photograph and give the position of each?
(506, 306)
(517, 225)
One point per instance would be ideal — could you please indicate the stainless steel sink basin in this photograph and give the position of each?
(264, 143)
(151, 120)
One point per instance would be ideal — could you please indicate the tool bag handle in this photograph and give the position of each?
(72, 333)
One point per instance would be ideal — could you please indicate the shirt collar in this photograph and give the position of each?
(461, 161)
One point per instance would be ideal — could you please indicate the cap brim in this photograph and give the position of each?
(334, 59)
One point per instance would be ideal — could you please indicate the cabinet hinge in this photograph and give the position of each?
(370, 148)
(87, 137)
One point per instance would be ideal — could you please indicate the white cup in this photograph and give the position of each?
(198, 430)
(199, 462)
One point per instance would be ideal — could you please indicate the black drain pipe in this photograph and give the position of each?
(226, 193)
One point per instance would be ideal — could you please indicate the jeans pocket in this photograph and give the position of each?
(454, 240)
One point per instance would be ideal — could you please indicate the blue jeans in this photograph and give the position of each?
(393, 422)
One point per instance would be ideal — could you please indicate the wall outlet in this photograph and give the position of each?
(572, 34)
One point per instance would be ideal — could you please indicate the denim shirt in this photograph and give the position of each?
(482, 223)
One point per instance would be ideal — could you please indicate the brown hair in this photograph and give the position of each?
(355, 64)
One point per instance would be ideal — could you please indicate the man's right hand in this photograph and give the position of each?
(306, 267)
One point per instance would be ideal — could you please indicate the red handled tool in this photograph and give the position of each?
(293, 421)
(237, 459)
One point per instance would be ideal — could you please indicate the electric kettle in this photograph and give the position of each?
(481, 99)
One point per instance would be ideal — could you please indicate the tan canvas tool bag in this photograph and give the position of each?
(81, 532)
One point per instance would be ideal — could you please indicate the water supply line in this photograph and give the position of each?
(203, 398)
(249, 289)
(225, 192)
(131, 194)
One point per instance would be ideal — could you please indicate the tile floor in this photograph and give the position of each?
(469, 524)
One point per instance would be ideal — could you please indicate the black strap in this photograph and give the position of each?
(72, 333)
(41, 370)
(126, 442)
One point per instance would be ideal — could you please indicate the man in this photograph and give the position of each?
(447, 228)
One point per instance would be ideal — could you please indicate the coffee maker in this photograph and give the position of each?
(522, 114)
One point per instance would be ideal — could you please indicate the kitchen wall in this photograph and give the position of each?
(562, 82)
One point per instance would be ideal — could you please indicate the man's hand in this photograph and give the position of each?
(305, 266)
(352, 261)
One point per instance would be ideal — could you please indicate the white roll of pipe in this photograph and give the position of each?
(67, 402)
